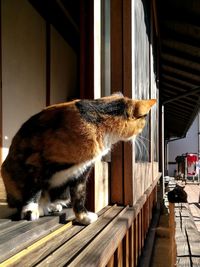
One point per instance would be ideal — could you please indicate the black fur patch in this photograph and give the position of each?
(92, 111)
(39, 123)
(61, 192)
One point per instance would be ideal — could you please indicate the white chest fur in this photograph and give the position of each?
(61, 177)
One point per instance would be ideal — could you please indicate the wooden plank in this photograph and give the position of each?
(187, 237)
(131, 244)
(139, 204)
(152, 186)
(5, 211)
(43, 247)
(100, 250)
(10, 226)
(116, 39)
(140, 232)
(120, 255)
(111, 262)
(75, 245)
(4, 221)
(15, 240)
(136, 241)
(126, 251)
(145, 259)
(116, 179)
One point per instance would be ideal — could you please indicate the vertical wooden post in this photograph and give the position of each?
(127, 90)
(87, 71)
(121, 80)
(131, 245)
(136, 247)
(116, 184)
(126, 250)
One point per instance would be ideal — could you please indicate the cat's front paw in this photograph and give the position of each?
(86, 217)
(30, 212)
(55, 207)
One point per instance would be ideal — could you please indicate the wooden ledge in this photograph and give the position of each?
(53, 241)
(187, 237)
(94, 243)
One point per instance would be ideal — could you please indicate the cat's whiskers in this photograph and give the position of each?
(141, 144)
(140, 136)
(139, 149)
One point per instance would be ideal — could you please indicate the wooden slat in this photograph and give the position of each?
(43, 247)
(52, 249)
(10, 226)
(100, 250)
(149, 241)
(131, 244)
(126, 249)
(187, 237)
(120, 255)
(136, 250)
(4, 221)
(75, 245)
(111, 262)
(15, 240)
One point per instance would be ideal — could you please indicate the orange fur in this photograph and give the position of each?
(74, 133)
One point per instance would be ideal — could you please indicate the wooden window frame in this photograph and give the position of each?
(121, 79)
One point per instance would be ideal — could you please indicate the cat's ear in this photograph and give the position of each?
(142, 107)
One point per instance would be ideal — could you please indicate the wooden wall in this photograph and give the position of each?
(134, 167)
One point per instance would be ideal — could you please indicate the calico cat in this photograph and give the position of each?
(53, 152)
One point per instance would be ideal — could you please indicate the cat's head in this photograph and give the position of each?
(129, 115)
(136, 113)
(121, 116)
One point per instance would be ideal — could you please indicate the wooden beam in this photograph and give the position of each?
(193, 78)
(181, 29)
(180, 61)
(183, 84)
(193, 91)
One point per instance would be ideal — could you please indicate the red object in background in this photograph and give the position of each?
(191, 163)
(191, 158)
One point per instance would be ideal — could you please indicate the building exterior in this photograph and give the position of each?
(56, 50)
(188, 144)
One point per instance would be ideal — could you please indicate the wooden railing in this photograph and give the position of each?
(115, 239)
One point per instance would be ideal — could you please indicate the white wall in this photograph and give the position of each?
(189, 144)
(23, 65)
(63, 69)
(23, 33)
